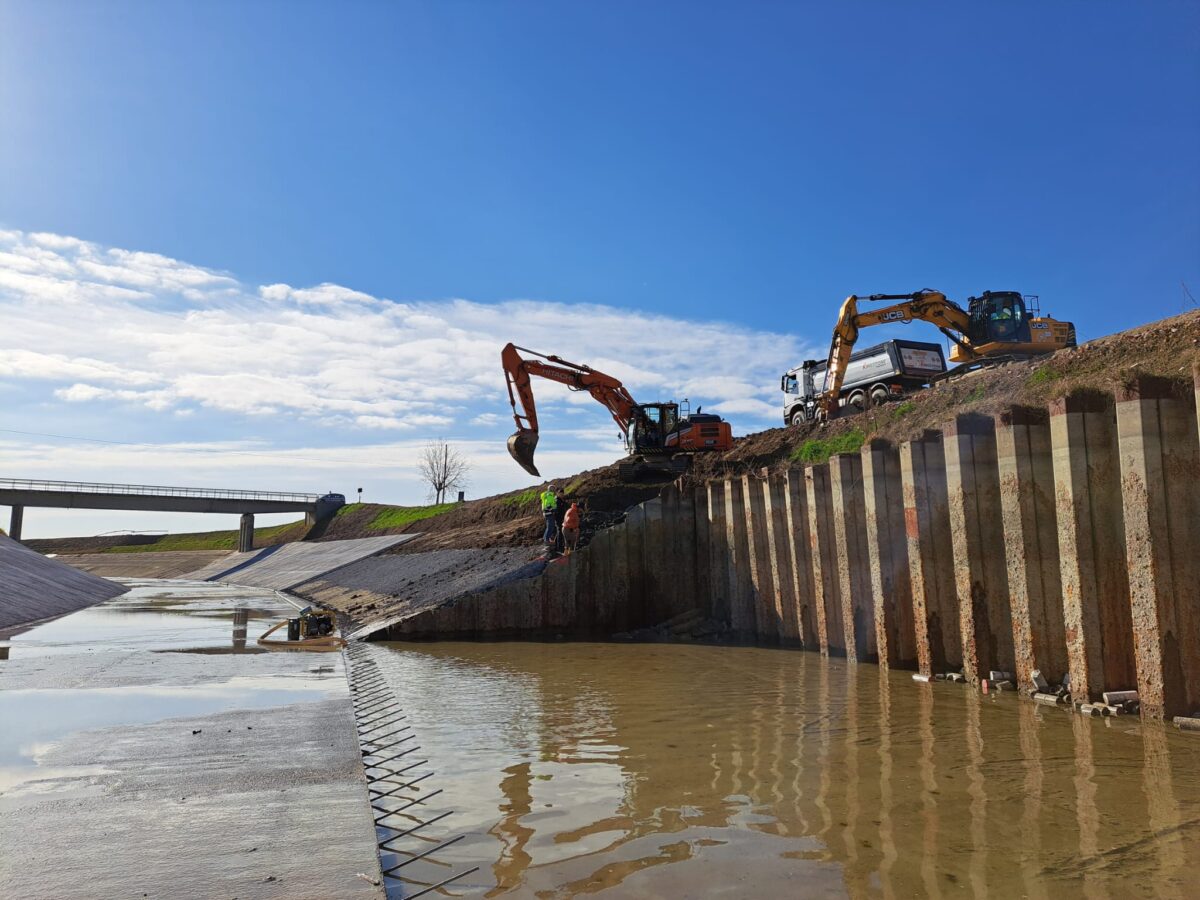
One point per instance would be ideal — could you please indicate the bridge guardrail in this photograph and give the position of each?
(95, 487)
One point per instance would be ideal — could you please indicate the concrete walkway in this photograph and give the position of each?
(150, 749)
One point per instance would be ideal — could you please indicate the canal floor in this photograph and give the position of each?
(687, 771)
(150, 749)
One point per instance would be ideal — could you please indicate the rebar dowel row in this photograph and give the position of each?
(376, 709)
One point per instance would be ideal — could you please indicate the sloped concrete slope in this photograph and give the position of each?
(385, 590)
(153, 564)
(288, 565)
(34, 587)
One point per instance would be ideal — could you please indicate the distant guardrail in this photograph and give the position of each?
(157, 490)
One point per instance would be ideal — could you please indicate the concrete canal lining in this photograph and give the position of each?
(287, 565)
(34, 587)
(150, 749)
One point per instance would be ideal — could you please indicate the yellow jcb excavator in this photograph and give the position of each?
(997, 326)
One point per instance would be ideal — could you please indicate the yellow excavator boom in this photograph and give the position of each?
(997, 324)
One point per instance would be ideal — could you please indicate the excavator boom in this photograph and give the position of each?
(996, 324)
(517, 371)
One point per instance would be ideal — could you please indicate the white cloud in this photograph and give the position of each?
(127, 326)
(141, 334)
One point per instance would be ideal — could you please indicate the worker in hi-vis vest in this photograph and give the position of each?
(549, 510)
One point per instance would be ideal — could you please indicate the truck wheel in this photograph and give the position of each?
(879, 396)
(858, 400)
(797, 418)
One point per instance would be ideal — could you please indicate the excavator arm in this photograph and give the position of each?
(927, 305)
(518, 371)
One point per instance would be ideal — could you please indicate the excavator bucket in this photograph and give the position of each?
(520, 447)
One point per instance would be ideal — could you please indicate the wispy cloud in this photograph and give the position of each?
(141, 334)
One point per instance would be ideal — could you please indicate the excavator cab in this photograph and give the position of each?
(999, 317)
(652, 423)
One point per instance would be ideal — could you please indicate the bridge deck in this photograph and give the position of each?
(98, 495)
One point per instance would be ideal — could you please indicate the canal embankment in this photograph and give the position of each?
(151, 749)
(34, 587)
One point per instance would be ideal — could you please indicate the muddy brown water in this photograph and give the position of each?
(684, 771)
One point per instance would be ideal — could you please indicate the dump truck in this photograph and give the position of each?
(873, 376)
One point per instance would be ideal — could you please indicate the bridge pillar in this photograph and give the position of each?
(14, 524)
(246, 533)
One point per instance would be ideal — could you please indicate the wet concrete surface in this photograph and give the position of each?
(688, 771)
(149, 748)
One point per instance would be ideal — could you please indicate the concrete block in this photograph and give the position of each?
(1026, 469)
(648, 570)
(1039, 680)
(887, 555)
(995, 675)
(718, 553)
(927, 537)
(702, 550)
(822, 555)
(780, 557)
(1159, 458)
(852, 563)
(1187, 723)
(1091, 543)
(922, 677)
(800, 550)
(741, 589)
(682, 528)
(766, 620)
(977, 539)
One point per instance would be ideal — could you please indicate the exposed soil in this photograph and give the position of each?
(1169, 348)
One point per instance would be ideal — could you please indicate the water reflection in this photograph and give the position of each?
(677, 771)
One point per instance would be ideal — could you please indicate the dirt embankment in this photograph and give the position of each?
(1168, 348)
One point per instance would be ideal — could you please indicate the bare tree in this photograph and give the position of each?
(442, 468)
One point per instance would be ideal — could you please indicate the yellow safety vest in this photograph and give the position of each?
(549, 501)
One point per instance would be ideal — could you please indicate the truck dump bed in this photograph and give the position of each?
(895, 367)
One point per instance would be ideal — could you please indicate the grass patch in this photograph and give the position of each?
(399, 516)
(573, 486)
(1044, 375)
(976, 395)
(818, 451)
(903, 409)
(522, 499)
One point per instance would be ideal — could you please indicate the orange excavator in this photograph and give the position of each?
(657, 438)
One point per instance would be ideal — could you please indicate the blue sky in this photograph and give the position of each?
(678, 166)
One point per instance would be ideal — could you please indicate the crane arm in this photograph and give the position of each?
(927, 305)
(517, 372)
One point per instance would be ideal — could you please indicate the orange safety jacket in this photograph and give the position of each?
(571, 520)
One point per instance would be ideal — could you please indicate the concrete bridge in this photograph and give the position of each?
(22, 492)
